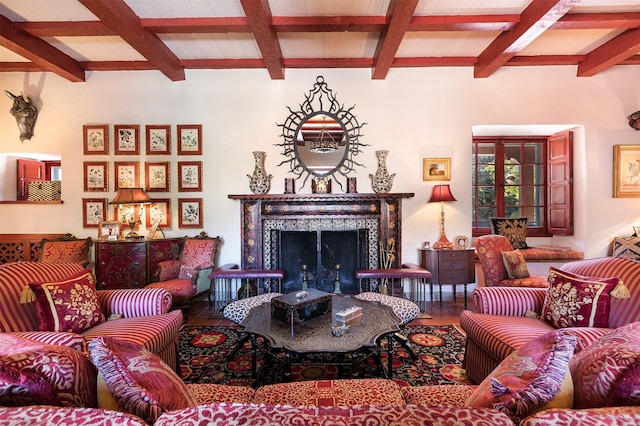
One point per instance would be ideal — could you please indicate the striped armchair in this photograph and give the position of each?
(499, 325)
(146, 319)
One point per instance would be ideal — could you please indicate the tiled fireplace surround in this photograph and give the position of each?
(378, 217)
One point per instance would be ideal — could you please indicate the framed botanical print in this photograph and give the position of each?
(127, 174)
(436, 169)
(94, 211)
(189, 176)
(127, 139)
(190, 211)
(159, 209)
(127, 213)
(189, 139)
(626, 171)
(95, 139)
(156, 176)
(96, 176)
(158, 139)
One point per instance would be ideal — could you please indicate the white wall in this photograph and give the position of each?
(414, 113)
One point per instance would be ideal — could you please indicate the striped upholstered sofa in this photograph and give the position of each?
(499, 325)
(145, 317)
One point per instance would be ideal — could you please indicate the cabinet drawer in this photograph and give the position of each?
(452, 256)
(453, 276)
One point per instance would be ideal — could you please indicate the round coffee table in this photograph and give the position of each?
(314, 336)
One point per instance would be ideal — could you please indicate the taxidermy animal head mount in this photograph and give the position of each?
(25, 113)
(634, 120)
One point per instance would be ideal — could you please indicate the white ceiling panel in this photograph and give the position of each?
(212, 46)
(470, 7)
(45, 10)
(328, 7)
(576, 42)
(327, 45)
(442, 44)
(7, 55)
(186, 8)
(95, 48)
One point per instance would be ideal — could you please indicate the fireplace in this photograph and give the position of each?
(320, 231)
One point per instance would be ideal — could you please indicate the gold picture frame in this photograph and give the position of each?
(626, 171)
(436, 169)
(109, 230)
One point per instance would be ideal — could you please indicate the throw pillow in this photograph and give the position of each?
(515, 264)
(607, 371)
(577, 301)
(514, 229)
(140, 382)
(528, 379)
(34, 373)
(70, 304)
(627, 247)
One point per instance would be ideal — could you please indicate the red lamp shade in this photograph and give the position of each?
(441, 193)
(130, 196)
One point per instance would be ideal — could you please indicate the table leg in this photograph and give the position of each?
(390, 355)
(453, 287)
(254, 357)
(465, 295)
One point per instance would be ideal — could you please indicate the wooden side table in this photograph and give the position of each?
(450, 267)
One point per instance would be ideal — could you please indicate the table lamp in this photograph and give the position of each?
(125, 196)
(442, 193)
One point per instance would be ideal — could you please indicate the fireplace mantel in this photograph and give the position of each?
(255, 209)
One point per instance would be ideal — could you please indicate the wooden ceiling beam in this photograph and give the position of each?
(320, 24)
(259, 18)
(399, 16)
(119, 17)
(463, 23)
(534, 20)
(595, 21)
(39, 52)
(65, 28)
(622, 47)
(196, 25)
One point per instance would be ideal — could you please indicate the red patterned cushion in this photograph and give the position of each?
(453, 395)
(529, 378)
(69, 304)
(331, 393)
(54, 416)
(593, 417)
(199, 253)
(577, 301)
(606, 372)
(139, 381)
(515, 229)
(34, 373)
(515, 264)
(209, 393)
(64, 251)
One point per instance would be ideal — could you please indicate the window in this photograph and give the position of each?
(523, 177)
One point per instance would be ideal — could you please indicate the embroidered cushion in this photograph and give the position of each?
(34, 373)
(64, 251)
(70, 304)
(530, 378)
(607, 372)
(514, 229)
(574, 300)
(515, 264)
(140, 382)
(627, 247)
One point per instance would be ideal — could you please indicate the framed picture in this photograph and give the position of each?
(94, 211)
(126, 213)
(96, 176)
(160, 209)
(626, 171)
(109, 230)
(189, 139)
(154, 230)
(461, 242)
(189, 176)
(127, 174)
(156, 176)
(127, 139)
(158, 139)
(95, 139)
(436, 169)
(190, 211)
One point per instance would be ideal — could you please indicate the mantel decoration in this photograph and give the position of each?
(382, 181)
(25, 113)
(322, 138)
(259, 181)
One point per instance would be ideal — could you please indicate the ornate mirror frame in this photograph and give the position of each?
(321, 101)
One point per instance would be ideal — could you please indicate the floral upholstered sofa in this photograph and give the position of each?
(140, 316)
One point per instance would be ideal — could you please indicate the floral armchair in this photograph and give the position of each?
(66, 249)
(180, 277)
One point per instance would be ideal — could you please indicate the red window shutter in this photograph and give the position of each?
(560, 181)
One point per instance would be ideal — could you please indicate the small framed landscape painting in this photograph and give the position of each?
(436, 169)
(626, 171)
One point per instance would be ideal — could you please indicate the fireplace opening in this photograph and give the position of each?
(319, 256)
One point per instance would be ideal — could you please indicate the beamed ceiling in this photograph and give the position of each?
(71, 37)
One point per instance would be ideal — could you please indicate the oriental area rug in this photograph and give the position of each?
(204, 353)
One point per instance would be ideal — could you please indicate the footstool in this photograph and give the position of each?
(405, 309)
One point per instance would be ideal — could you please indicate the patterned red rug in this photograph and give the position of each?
(204, 351)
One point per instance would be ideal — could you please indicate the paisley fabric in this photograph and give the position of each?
(454, 395)
(577, 301)
(49, 416)
(209, 393)
(594, 417)
(515, 264)
(529, 378)
(606, 372)
(69, 304)
(199, 253)
(168, 269)
(514, 229)
(140, 382)
(331, 393)
(64, 251)
(36, 373)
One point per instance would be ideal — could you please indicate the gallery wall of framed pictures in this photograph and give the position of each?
(129, 156)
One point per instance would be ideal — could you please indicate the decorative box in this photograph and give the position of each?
(294, 310)
(44, 190)
(349, 316)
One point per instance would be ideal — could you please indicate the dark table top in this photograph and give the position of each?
(314, 335)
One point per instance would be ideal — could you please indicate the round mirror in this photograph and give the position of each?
(322, 138)
(321, 143)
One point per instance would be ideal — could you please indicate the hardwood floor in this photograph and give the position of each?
(447, 313)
